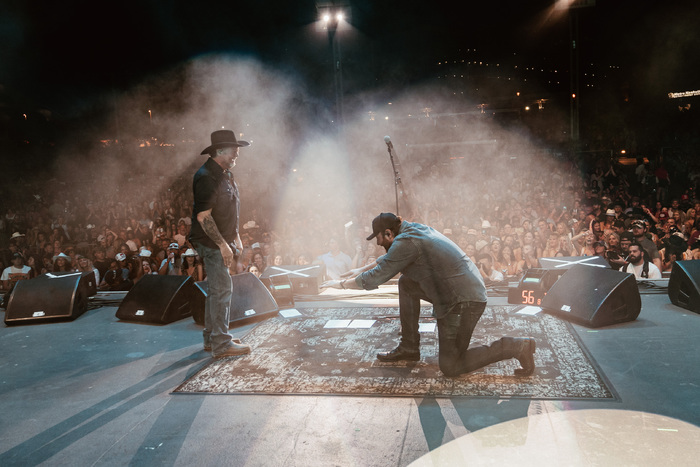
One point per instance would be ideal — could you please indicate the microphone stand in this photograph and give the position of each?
(395, 165)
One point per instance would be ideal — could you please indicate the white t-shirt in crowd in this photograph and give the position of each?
(14, 274)
(654, 272)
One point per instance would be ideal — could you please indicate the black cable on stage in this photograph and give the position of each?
(651, 288)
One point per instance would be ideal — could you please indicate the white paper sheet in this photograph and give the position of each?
(337, 323)
(362, 323)
(426, 327)
(529, 310)
(290, 313)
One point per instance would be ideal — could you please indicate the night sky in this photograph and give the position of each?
(55, 54)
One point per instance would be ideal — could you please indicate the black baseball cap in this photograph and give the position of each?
(383, 221)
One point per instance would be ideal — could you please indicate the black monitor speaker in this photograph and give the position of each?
(250, 301)
(161, 299)
(594, 297)
(60, 296)
(683, 284)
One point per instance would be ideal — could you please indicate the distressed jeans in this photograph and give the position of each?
(217, 307)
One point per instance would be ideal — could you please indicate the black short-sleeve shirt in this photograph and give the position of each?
(214, 188)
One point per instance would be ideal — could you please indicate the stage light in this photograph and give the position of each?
(339, 17)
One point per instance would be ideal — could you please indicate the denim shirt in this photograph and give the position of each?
(444, 272)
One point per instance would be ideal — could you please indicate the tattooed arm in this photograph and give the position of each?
(206, 220)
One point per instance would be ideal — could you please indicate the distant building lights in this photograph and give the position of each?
(676, 95)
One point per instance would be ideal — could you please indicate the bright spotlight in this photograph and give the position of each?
(331, 14)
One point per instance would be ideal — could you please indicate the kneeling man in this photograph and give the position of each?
(436, 270)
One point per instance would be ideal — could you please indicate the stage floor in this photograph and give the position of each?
(98, 391)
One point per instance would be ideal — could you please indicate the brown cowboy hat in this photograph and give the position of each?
(224, 139)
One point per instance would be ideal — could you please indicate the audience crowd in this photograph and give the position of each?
(505, 212)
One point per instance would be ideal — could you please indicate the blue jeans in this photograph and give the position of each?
(217, 307)
(454, 332)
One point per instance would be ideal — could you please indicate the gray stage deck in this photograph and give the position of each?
(97, 391)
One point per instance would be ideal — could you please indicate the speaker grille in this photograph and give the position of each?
(49, 297)
(160, 299)
(594, 297)
(683, 288)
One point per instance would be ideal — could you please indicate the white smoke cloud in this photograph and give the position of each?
(297, 163)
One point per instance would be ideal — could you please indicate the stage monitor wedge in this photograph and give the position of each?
(50, 297)
(594, 297)
(250, 301)
(683, 285)
(161, 300)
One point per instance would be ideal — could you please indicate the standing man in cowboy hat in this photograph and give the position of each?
(216, 238)
(436, 270)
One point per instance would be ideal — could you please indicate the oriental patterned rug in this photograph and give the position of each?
(333, 351)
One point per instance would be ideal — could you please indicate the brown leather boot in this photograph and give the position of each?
(398, 354)
(207, 343)
(233, 349)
